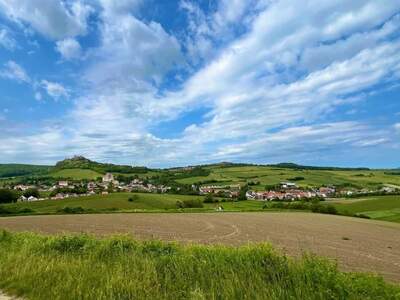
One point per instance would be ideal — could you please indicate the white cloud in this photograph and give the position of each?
(55, 19)
(6, 40)
(69, 48)
(54, 89)
(14, 71)
(131, 52)
(264, 94)
(120, 6)
(397, 127)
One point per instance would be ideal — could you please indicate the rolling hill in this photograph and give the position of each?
(258, 176)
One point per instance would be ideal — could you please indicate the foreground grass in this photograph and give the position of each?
(82, 267)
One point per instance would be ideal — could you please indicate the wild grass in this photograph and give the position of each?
(82, 267)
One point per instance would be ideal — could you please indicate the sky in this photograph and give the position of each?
(164, 83)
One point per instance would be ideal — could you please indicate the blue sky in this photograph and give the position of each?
(168, 83)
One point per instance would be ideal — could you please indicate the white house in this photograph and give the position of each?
(63, 183)
(108, 178)
(31, 198)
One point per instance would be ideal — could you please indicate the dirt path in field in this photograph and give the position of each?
(357, 244)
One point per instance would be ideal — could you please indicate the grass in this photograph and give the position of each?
(76, 174)
(126, 202)
(82, 267)
(110, 202)
(380, 208)
(385, 208)
(272, 175)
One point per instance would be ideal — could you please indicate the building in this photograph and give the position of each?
(288, 185)
(108, 178)
(31, 198)
(91, 186)
(63, 183)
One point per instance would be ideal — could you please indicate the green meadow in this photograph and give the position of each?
(76, 174)
(386, 208)
(267, 175)
(107, 203)
(81, 267)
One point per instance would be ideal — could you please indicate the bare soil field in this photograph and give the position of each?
(357, 244)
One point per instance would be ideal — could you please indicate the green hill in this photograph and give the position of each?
(76, 174)
(80, 162)
(14, 170)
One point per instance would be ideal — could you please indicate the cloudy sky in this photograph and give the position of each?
(177, 82)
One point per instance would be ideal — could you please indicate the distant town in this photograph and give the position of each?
(285, 191)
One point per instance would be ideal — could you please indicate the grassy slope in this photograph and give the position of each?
(81, 267)
(11, 170)
(271, 175)
(381, 208)
(106, 202)
(76, 174)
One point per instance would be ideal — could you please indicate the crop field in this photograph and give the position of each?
(357, 244)
(76, 174)
(272, 175)
(385, 208)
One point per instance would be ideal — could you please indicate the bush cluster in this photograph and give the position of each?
(191, 203)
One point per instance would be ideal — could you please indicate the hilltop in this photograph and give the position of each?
(80, 162)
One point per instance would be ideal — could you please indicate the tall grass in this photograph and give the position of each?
(82, 267)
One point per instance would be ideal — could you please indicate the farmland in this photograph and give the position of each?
(82, 267)
(357, 244)
(267, 175)
(385, 208)
(108, 203)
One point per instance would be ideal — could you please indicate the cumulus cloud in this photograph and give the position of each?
(55, 19)
(131, 52)
(6, 40)
(14, 71)
(54, 89)
(69, 48)
(268, 91)
(397, 127)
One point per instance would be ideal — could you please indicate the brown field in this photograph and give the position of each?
(357, 244)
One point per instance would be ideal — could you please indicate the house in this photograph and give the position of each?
(288, 185)
(91, 186)
(22, 198)
(108, 178)
(22, 187)
(31, 198)
(63, 183)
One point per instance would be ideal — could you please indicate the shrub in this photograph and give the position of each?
(192, 203)
(208, 199)
(72, 210)
(8, 196)
(32, 192)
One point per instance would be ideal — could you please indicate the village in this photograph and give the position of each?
(284, 191)
(65, 189)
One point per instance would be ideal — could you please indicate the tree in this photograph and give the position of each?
(8, 196)
(208, 199)
(242, 193)
(32, 192)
